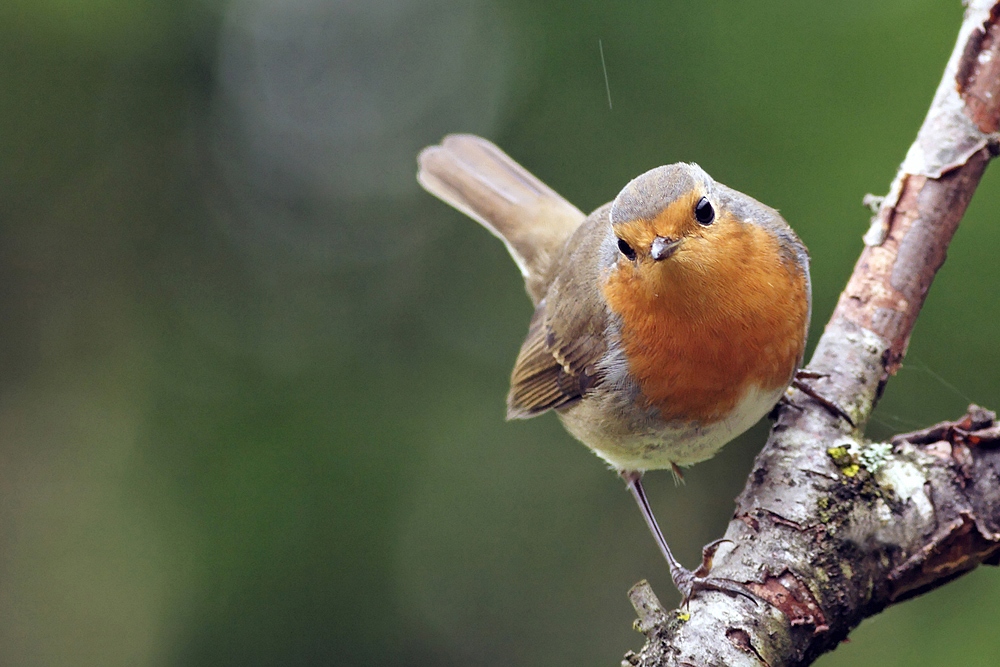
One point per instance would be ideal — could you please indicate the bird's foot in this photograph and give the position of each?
(690, 582)
(678, 475)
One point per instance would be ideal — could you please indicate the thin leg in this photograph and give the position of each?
(632, 480)
(687, 582)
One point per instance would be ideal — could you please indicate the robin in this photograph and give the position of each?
(667, 322)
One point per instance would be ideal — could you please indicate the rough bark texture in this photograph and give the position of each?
(831, 528)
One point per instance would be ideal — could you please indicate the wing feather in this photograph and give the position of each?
(559, 360)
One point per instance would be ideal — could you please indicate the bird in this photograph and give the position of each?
(667, 322)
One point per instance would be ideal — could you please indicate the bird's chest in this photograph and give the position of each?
(696, 352)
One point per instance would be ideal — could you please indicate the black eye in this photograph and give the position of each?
(704, 212)
(626, 250)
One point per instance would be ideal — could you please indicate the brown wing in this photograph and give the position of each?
(558, 362)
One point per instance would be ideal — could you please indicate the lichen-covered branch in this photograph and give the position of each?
(826, 536)
(831, 528)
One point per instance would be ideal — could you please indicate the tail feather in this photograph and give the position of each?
(480, 180)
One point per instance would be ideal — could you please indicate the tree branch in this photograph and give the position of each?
(830, 528)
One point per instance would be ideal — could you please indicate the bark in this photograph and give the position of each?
(831, 528)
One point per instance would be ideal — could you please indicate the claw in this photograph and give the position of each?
(727, 586)
(677, 473)
(689, 582)
(707, 555)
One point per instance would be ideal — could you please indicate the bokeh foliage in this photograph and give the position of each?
(252, 380)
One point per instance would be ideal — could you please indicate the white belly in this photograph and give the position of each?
(631, 438)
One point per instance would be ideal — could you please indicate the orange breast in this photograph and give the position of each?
(702, 327)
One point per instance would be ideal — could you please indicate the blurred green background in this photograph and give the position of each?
(252, 379)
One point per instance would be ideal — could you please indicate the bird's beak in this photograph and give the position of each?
(663, 247)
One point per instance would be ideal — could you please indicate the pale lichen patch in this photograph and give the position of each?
(851, 456)
(874, 456)
(906, 480)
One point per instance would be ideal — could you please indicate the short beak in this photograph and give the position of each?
(663, 247)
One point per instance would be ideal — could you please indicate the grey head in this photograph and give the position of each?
(648, 194)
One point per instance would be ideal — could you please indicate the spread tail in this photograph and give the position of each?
(480, 180)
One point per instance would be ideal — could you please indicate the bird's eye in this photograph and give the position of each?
(626, 250)
(703, 212)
